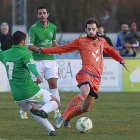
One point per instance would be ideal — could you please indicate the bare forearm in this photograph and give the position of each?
(55, 43)
(32, 48)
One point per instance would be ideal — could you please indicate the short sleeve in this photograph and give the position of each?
(28, 59)
(2, 56)
(54, 34)
(31, 36)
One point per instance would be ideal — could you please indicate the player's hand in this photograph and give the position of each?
(39, 50)
(45, 50)
(39, 79)
(123, 63)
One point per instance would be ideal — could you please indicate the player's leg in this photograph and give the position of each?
(87, 103)
(85, 107)
(76, 112)
(50, 103)
(84, 91)
(41, 113)
(54, 90)
(43, 121)
(51, 75)
(40, 68)
(94, 87)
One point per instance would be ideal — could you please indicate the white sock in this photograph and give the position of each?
(50, 106)
(44, 122)
(21, 110)
(56, 95)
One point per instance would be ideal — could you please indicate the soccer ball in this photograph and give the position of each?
(84, 125)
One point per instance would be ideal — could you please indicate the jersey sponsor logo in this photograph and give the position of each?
(32, 61)
(94, 45)
(51, 34)
(46, 42)
(94, 54)
(74, 103)
(87, 41)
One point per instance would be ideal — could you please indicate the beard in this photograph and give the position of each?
(125, 31)
(42, 21)
(90, 37)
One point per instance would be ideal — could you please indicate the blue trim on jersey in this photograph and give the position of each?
(87, 82)
(90, 74)
(100, 51)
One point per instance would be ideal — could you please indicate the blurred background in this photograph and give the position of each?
(69, 15)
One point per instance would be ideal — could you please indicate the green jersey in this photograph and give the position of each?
(16, 61)
(1, 56)
(40, 36)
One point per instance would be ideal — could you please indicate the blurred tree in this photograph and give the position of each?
(5, 11)
(69, 16)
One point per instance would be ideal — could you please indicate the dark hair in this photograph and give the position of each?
(100, 25)
(41, 7)
(125, 23)
(91, 21)
(17, 37)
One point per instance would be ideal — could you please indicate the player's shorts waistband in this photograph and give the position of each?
(90, 74)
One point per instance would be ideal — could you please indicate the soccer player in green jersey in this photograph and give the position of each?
(43, 34)
(27, 94)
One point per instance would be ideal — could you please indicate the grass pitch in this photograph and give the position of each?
(115, 116)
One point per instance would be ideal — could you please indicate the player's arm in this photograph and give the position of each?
(2, 56)
(30, 64)
(33, 69)
(30, 40)
(114, 54)
(32, 48)
(54, 42)
(62, 49)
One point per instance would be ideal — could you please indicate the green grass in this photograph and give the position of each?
(115, 116)
(138, 55)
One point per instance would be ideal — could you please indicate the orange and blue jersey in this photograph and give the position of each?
(91, 52)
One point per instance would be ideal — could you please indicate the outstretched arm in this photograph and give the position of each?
(123, 63)
(62, 49)
(115, 55)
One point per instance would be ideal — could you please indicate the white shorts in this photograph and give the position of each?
(46, 69)
(41, 98)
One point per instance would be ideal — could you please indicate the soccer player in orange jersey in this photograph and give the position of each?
(91, 50)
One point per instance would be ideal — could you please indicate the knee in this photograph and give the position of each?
(56, 100)
(59, 104)
(83, 95)
(53, 85)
